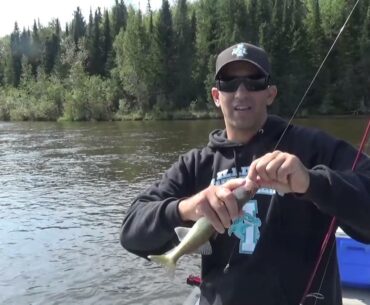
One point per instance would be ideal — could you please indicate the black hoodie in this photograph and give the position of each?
(270, 262)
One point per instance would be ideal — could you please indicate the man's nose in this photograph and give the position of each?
(241, 91)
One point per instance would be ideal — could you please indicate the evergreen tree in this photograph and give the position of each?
(364, 63)
(107, 58)
(36, 49)
(263, 19)
(90, 44)
(164, 60)
(16, 56)
(95, 59)
(226, 21)
(241, 24)
(5, 61)
(134, 70)
(90, 26)
(252, 34)
(66, 31)
(164, 52)
(207, 46)
(348, 82)
(263, 13)
(277, 44)
(2, 72)
(151, 56)
(299, 63)
(318, 48)
(57, 28)
(25, 41)
(51, 48)
(78, 27)
(119, 17)
(149, 13)
(333, 14)
(97, 56)
(184, 50)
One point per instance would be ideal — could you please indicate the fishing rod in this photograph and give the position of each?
(333, 224)
(241, 193)
(332, 228)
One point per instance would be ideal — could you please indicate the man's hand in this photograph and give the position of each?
(217, 203)
(280, 171)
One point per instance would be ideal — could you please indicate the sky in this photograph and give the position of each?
(25, 11)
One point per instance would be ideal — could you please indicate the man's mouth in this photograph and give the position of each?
(242, 108)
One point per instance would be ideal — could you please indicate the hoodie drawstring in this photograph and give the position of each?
(236, 162)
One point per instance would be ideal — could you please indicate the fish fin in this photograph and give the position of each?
(205, 249)
(166, 261)
(181, 232)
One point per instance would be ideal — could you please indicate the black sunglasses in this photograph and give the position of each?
(251, 83)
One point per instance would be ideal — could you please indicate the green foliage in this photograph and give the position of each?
(134, 69)
(87, 97)
(88, 100)
(39, 100)
(126, 64)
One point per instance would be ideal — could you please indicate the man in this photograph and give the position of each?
(257, 259)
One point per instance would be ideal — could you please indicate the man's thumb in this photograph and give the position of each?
(234, 183)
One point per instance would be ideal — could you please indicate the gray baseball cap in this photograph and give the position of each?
(243, 52)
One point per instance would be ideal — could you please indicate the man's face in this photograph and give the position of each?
(244, 111)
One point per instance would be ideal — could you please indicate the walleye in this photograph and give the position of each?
(202, 230)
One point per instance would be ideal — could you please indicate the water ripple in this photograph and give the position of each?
(65, 189)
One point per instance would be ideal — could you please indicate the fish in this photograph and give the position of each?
(197, 237)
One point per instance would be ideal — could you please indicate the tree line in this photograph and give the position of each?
(123, 63)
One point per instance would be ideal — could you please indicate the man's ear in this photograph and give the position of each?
(272, 92)
(215, 95)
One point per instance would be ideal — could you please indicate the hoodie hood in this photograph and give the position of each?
(270, 132)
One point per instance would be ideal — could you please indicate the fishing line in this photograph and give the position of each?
(324, 273)
(333, 222)
(315, 76)
(316, 295)
(270, 209)
(226, 269)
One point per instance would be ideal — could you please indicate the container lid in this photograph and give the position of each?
(340, 233)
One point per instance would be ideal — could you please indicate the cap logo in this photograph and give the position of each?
(240, 50)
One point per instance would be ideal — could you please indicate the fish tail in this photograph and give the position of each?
(166, 260)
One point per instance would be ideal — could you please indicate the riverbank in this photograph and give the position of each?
(168, 115)
(180, 115)
(196, 115)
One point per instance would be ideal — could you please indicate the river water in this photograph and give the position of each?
(65, 188)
